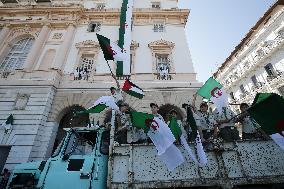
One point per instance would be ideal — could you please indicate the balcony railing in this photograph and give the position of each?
(260, 54)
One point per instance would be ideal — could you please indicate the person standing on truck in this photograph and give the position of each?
(173, 113)
(207, 125)
(226, 124)
(155, 108)
(250, 128)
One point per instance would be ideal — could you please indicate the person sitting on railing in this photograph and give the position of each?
(250, 128)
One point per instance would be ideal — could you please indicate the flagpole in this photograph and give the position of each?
(117, 83)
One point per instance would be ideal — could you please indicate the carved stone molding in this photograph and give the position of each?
(161, 44)
(26, 30)
(87, 44)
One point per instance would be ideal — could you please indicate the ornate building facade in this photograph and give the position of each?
(51, 65)
(257, 63)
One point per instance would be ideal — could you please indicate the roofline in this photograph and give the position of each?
(248, 35)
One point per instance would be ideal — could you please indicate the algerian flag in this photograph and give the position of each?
(132, 89)
(161, 137)
(102, 103)
(202, 159)
(175, 129)
(160, 134)
(123, 68)
(8, 123)
(214, 91)
(172, 157)
(156, 129)
(268, 111)
(111, 50)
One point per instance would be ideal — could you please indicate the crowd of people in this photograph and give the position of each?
(221, 126)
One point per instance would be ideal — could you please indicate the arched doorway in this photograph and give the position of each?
(69, 120)
(165, 109)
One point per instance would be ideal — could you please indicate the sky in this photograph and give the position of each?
(216, 27)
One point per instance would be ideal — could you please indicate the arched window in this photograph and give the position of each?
(17, 55)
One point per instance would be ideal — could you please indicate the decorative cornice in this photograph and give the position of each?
(161, 44)
(87, 44)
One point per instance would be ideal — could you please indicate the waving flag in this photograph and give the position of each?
(161, 136)
(111, 50)
(268, 111)
(123, 68)
(214, 91)
(202, 158)
(132, 89)
(101, 104)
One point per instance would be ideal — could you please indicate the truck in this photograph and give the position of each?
(80, 161)
(90, 158)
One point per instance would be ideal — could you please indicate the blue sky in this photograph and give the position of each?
(215, 27)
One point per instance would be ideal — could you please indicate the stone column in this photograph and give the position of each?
(3, 34)
(64, 48)
(36, 48)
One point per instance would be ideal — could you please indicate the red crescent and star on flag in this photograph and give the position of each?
(216, 92)
(151, 123)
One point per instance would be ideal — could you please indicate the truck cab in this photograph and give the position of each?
(80, 161)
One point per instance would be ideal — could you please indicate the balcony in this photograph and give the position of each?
(261, 53)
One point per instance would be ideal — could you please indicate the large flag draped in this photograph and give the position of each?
(111, 50)
(172, 157)
(132, 89)
(161, 136)
(198, 145)
(123, 68)
(214, 91)
(268, 111)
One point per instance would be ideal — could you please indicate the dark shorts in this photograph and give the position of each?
(229, 134)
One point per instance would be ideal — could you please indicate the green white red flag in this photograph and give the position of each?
(161, 136)
(214, 91)
(132, 89)
(101, 104)
(123, 67)
(111, 50)
(268, 111)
